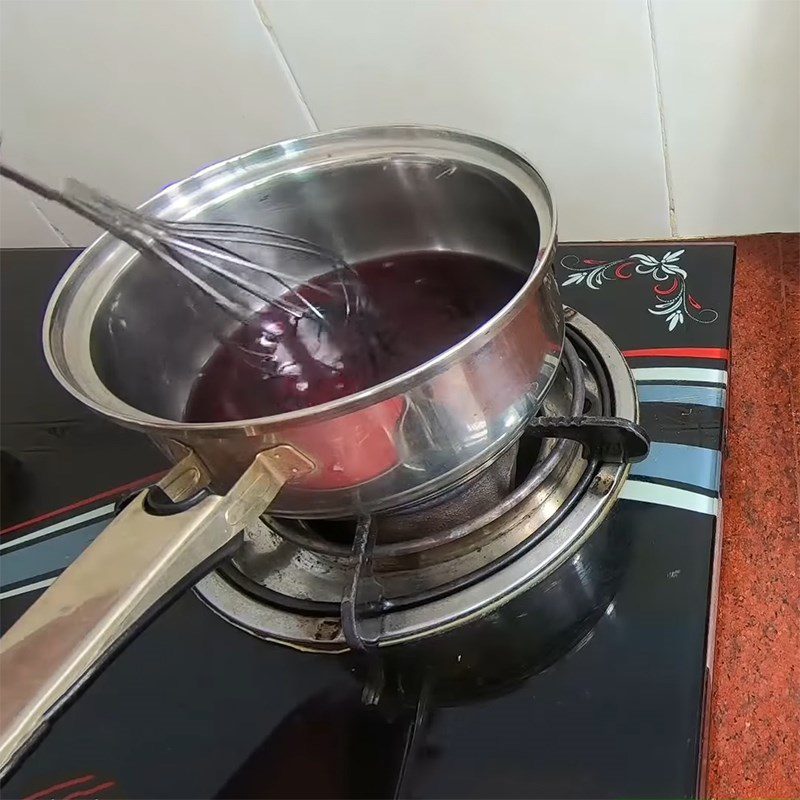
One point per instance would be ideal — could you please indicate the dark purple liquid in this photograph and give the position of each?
(404, 310)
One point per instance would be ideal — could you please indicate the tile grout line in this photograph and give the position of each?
(57, 232)
(285, 66)
(673, 219)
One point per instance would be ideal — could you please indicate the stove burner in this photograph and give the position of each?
(526, 532)
(477, 502)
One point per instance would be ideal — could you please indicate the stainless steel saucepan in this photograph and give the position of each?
(122, 335)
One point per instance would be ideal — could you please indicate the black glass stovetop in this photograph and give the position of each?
(194, 707)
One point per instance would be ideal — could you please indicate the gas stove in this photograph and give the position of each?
(444, 570)
(542, 629)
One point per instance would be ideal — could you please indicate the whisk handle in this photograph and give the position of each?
(71, 202)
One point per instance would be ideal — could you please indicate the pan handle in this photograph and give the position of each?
(136, 563)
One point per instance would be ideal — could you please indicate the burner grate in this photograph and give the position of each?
(288, 581)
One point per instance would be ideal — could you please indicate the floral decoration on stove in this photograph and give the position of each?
(672, 298)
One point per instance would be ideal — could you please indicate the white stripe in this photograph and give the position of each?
(669, 496)
(57, 526)
(29, 587)
(690, 374)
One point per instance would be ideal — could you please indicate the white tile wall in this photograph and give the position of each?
(569, 83)
(730, 77)
(129, 95)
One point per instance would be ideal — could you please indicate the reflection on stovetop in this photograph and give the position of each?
(490, 743)
(615, 716)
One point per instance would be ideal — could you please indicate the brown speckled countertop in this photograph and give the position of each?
(754, 748)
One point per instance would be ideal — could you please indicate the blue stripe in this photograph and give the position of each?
(683, 463)
(47, 556)
(669, 496)
(682, 394)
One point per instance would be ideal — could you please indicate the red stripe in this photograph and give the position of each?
(117, 490)
(51, 790)
(93, 792)
(679, 352)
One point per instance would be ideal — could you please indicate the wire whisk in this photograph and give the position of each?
(196, 249)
